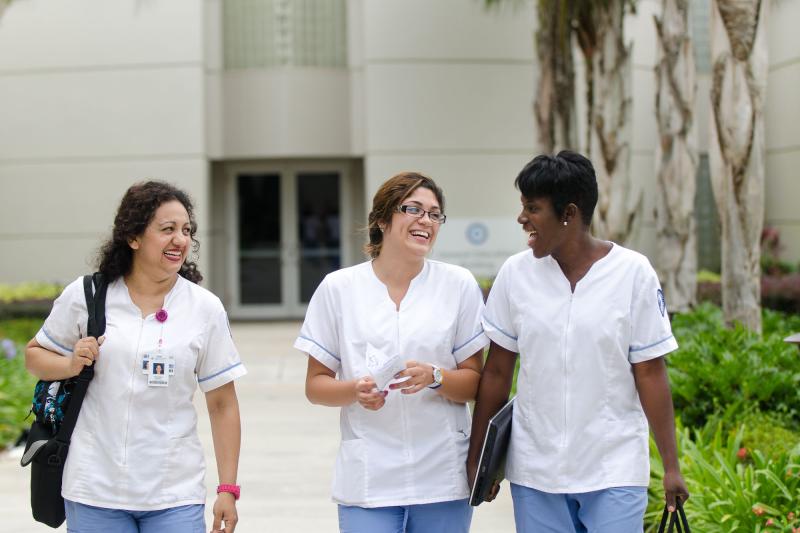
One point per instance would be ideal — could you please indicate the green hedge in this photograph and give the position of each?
(16, 384)
(715, 368)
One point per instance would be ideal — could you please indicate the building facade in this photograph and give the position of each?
(282, 117)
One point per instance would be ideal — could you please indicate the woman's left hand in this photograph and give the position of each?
(674, 487)
(225, 511)
(420, 375)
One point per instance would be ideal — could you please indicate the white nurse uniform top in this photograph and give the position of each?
(135, 447)
(578, 424)
(412, 450)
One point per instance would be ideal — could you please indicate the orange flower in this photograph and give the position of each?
(742, 453)
(769, 522)
(790, 516)
(758, 511)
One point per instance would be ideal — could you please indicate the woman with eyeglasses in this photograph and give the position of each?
(396, 342)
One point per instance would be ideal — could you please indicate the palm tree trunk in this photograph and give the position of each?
(737, 149)
(676, 157)
(610, 129)
(555, 95)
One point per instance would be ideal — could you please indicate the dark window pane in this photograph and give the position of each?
(319, 229)
(259, 238)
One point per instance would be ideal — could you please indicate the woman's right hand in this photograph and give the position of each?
(84, 353)
(368, 395)
(472, 472)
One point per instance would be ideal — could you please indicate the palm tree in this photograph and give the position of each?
(676, 157)
(608, 66)
(597, 26)
(554, 106)
(736, 150)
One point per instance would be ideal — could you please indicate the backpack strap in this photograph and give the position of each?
(95, 327)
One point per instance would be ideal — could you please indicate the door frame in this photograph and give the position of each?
(287, 170)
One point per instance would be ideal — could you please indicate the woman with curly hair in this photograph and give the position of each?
(135, 462)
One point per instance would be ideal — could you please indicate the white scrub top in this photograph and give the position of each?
(135, 447)
(578, 423)
(412, 450)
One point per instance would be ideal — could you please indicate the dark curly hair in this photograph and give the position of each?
(135, 212)
(385, 202)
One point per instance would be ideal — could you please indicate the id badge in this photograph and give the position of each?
(146, 363)
(158, 371)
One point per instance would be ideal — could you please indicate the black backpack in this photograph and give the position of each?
(56, 405)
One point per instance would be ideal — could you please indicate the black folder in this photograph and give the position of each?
(492, 463)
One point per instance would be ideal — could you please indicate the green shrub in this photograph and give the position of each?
(731, 490)
(16, 384)
(29, 291)
(766, 432)
(716, 367)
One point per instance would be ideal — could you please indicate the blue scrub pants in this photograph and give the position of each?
(444, 517)
(89, 519)
(613, 510)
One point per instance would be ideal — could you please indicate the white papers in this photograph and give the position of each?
(383, 367)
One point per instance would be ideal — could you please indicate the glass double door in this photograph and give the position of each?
(288, 237)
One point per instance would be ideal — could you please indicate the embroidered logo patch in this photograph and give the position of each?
(662, 303)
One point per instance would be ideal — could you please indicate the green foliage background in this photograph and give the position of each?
(16, 384)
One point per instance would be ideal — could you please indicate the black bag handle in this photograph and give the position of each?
(677, 520)
(95, 327)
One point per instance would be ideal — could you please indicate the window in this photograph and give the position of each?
(276, 33)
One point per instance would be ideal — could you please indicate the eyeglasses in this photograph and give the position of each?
(418, 212)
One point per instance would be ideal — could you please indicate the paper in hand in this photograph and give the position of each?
(383, 367)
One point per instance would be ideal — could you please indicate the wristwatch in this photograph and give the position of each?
(438, 378)
(232, 489)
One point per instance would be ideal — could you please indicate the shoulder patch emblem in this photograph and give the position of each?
(662, 303)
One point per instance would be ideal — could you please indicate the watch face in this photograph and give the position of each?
(437, 375)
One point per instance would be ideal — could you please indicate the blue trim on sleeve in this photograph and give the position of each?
(631, 350)
(51, 339)
(457, 348)
(498, 329)
(200, 380)
(321, 347)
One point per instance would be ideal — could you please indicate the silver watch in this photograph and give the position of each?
(438, 378)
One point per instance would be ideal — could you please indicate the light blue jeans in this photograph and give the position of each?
(88, 519)
(613, 510)
(445, 517)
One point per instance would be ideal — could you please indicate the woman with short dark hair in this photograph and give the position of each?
(396, 343)
(589, 322)
(135, 463)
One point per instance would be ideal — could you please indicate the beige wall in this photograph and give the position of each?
(449, 94)
(273, 112)
(88, 108)
(782, 118)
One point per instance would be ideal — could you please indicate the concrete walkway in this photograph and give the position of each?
(288, 449)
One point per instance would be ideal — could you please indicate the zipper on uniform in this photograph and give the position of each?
(130, 394)
(565, 370)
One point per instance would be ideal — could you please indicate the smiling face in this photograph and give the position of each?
(408, 234)
(165, 243)
(545, 229)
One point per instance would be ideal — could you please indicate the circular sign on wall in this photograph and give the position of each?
(477, 233)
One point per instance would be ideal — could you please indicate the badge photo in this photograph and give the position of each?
(158, 372)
